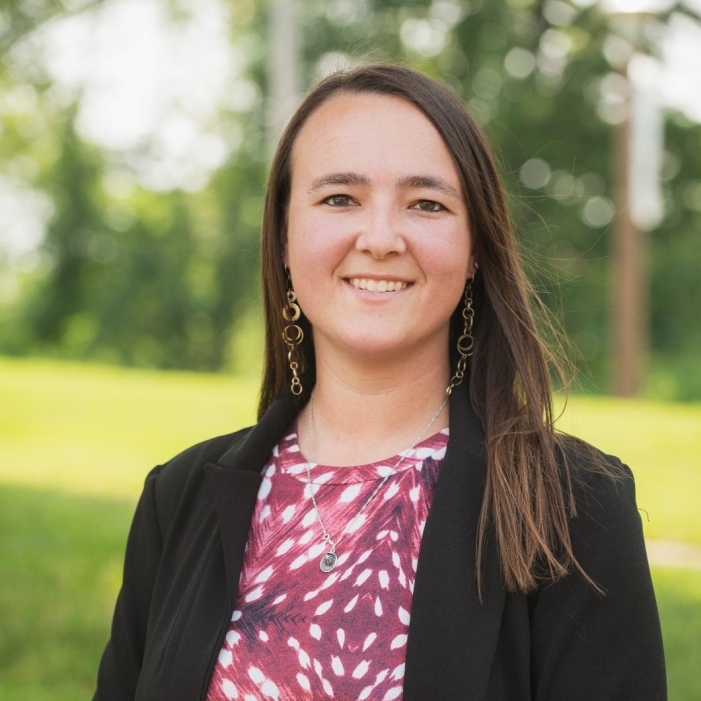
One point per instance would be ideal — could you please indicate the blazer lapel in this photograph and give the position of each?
(202, 619)
(452, 637)
(236, 478)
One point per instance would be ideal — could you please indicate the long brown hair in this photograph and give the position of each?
(528, 497)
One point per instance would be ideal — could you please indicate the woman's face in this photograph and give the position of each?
(377, 237)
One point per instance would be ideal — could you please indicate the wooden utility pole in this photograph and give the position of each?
(637, 153)
(628, 319)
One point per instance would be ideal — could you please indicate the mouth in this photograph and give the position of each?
(372, 285)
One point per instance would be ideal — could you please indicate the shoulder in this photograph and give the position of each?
(596, 475)
(595, 633)
(183, 477)
(603, 488)
(606, 535)
(200, 454)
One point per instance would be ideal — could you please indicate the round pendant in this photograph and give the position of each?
(328, 562)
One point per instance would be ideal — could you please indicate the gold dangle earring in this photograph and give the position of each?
(466, 342)
(292, 334)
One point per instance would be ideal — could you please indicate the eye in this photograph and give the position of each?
(428, 206)
(338, 200)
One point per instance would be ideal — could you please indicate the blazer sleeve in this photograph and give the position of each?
(587, 645)
(121, 662)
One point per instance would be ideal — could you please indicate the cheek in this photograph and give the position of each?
(446, 252)
(314, 253)
(315, 244)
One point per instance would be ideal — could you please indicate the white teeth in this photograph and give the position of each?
(377, 285)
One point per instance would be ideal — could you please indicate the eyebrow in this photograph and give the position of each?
(339, 179)
(429, 182)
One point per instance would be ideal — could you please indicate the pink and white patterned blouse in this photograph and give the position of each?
(299, 634)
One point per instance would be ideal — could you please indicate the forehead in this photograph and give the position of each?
(371, 134)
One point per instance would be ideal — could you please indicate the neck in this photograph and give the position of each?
(363, 414)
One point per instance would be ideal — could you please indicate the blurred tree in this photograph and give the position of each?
(161, 278)
(71, 236)
(541, 77)
(127, 274)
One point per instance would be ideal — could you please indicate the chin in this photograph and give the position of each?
(374, 346)
(380, 349)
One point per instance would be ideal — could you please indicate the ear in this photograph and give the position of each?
(472, 267)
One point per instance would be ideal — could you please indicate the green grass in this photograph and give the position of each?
(662, 445)
(76, 442)
(98, 430)
(679, 600)
(60, 568)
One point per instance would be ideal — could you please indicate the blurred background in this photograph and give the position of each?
(135, 138)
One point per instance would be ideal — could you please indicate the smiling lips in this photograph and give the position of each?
(377, 285)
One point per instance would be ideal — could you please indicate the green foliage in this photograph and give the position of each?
(126, 274)
(675, 260)
(72, 183)
(154, 280)
(162, 279)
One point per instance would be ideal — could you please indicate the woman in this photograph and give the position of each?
(488, 558)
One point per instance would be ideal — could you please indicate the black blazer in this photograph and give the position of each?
(564, 642)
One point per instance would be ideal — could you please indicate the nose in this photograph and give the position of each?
(380, 234)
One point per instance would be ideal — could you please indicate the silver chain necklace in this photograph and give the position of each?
(329, 558)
